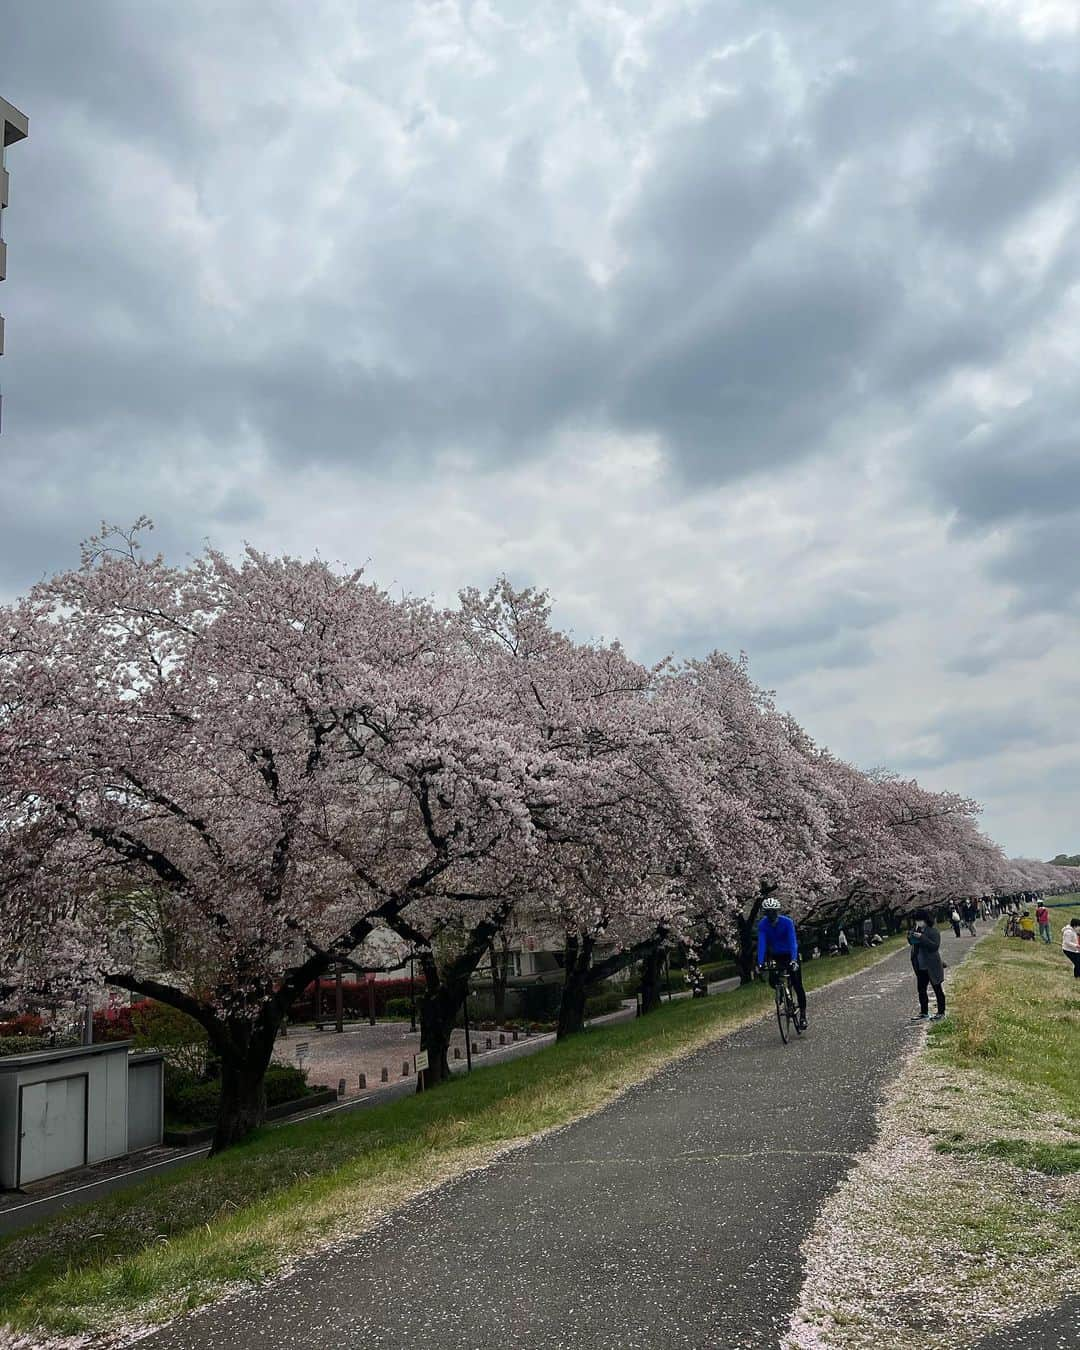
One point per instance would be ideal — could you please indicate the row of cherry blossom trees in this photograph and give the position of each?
(219, 781)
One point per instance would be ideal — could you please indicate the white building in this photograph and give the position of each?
(15, 128)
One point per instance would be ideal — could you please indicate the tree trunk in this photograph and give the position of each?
(746, 956)
(244, 1049)
(579, 950)
(698, 984)
(651, 966)
(499, 963)
(440, 1003)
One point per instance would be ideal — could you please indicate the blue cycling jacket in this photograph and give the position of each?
(776, 939)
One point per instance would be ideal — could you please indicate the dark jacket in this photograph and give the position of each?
(927, 948)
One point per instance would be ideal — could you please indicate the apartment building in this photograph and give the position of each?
(16, 126)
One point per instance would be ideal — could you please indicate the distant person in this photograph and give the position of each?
(867, 931)
(970, 914)
(1042, 918)
(925, 940)
(842, 943)
(1070, 945)
(954, 919)
(1027, 926)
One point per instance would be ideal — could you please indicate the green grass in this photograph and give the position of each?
(1015, 1016)
(1015, 1019)
(179, 1240)
(1054, 1160)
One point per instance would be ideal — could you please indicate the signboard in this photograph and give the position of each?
(420, 1061)
(302, 1049)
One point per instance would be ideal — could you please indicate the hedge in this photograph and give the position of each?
(354, 998)
(23, 1045)
(190, 1102)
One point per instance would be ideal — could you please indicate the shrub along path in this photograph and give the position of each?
(673, 1217)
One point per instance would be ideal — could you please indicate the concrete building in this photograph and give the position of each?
(16, 127)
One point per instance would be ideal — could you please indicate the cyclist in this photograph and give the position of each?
(777, 941)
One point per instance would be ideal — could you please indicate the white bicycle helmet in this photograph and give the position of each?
(771, 903)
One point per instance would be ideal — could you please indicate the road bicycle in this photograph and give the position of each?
(787, 1007)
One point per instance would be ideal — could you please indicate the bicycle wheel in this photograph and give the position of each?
(781, 1016)
(793, 1013)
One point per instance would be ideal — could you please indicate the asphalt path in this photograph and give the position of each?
(1056, 1329)
(672, 1218)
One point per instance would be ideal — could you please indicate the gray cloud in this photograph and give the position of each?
(278, 250)
(983, 734)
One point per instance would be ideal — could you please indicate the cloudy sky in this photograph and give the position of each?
(735, 324)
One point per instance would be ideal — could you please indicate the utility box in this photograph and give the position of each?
(60, 1109)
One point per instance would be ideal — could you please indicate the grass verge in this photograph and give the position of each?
(966, 1214)
(181, 1240)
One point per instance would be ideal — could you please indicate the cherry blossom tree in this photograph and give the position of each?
(767, 803)
(281, 755)
(617, 804)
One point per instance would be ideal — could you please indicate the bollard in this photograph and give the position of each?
(341, 1087)
(502, 1039)
(363, 1081)
(487, 1042)
(457, 1051)
(405, 1068)
(385, 1074)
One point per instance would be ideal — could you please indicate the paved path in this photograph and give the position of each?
(673, 1218)
(1057, 1329)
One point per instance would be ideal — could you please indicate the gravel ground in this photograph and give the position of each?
(363, 1049)
(674, 1217)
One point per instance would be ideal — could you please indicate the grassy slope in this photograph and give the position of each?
(966, 1214)
(180, 1240)
(1017, 1026)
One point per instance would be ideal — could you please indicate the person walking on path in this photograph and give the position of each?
(842, 943)
(925, 940)
(1042, 918)
(1070, 945)
(970, 915)
(954, 919)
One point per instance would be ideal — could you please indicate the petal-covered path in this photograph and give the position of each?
(673, 1218)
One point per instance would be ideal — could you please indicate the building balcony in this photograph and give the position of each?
(16, 124)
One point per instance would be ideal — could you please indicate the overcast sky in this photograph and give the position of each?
(740, 325)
